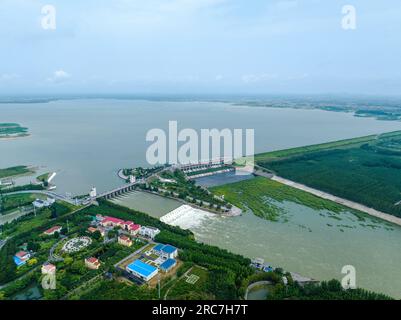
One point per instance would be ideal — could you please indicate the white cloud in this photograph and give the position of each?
(59, 76)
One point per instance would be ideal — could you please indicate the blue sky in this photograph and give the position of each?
(200, 46)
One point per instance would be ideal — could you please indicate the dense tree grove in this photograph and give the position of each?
(330, 290)
(365, 174)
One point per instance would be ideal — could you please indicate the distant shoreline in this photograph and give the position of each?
(15, 137)
(383, 108)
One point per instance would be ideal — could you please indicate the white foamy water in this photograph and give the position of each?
(187, 217)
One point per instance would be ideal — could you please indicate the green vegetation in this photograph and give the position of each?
(365, 170)
(141, 173)
(186, 190)
(14, 171)
(17, 200)
(45, 218)
(8, 130)
(43, 177)
(112, 290)
(262, 195)
(184, 289)
(222, 274)
(331, 290)
(28, 230)
(341, 144)
(228, 268)
(26, 187)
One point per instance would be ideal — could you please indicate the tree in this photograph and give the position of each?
(53, 211)
(32, 261)
(68, 260)
(33, 246)
(112, 234)
(97, 235)
(78, 267)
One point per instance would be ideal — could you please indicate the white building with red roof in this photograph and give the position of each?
(92, 263)
(112, 222)
(116, 222)
(125, 241)
(134, 229)
(53, 230)
(48, 268)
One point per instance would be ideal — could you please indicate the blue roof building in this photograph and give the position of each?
(166, 251)
(142, 270)
(267, 268)
(19, 262)
(158, 247)
(168, 265)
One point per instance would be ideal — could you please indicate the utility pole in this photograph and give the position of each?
(158, 282)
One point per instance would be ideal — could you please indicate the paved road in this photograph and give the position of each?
(255, 284)
(133, 254)
(2, 243)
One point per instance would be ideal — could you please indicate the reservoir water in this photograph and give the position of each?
(87, 141)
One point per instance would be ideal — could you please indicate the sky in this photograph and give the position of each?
(200, 46)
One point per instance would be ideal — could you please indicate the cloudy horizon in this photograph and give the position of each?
(200, 47)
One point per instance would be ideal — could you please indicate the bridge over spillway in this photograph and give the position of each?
(117, 191)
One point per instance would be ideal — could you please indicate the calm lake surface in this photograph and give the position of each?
(87, 141)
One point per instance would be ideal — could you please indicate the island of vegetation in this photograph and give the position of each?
(12, 130)
(15, 171)
(173, 182)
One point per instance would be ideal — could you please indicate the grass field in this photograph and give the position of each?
(18, 200)
(261, 196)
(194, 285)
(14, 171)
(365, 170)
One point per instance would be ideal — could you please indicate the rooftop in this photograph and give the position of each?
(53, 229)
(113, 220)
(142, 268)
(21, 254)
(166, 248)
(125, 238)
(92, 260)
(169, 248)
(166, 265)
(49, 266)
